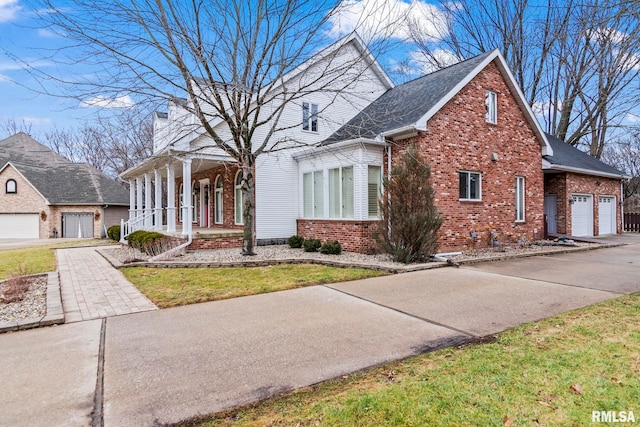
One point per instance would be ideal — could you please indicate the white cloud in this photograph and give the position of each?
(387, 19)
(36, 121)
(46, 33)
(542, 108)
(100, 101)
(9, 10)
(440, 58)
(632, 118)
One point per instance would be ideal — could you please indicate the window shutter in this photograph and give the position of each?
(373, 190)
(307, 196)
(347, 192)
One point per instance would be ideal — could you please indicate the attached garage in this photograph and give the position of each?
(19, 226)
(607, 215)
(581, 215)
(78, 225)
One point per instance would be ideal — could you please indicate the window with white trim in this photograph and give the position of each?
(310, 117)
(181, 202)
(217, 198)
(238, 198)
(470, 185)
(341, 192)
(11, 187)
(519, 198)
(491, 105)
(374, 190)
(313, 194)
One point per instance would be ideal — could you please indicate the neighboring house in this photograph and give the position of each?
(44, 195)
(583, 196)
(470, 121)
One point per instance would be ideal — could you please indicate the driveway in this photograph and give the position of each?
(164, 366)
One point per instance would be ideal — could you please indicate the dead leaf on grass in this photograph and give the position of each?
(507, 422)
(615, 380)
(576, 389)
(546, 405)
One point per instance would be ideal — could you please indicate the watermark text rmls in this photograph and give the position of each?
(612, 417)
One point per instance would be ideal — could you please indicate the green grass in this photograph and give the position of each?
(33, 260)
(524, 378)
(170, 287)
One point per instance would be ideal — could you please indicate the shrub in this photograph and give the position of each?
(144, 240)
(409, 217)
(113, 233)
(295, 241)
(331, 248)
(311, 245)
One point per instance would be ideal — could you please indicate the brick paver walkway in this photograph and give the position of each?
(92, 289)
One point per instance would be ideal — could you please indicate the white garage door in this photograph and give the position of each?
(606, 214)
(582, 215)
(19, 226)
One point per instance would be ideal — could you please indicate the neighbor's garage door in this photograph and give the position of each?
(19, 226)
(582, 215)
(606, 214)
(77, 225)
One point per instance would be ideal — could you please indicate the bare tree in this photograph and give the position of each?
(578, 63)
(11, 127)
(228, 58)
(625, 156)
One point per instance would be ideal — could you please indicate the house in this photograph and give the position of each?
(471, 122)
(44, 195)
(583, 196)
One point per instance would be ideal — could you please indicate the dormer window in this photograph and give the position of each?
(491, 105)
(310, 117)
(11, 187)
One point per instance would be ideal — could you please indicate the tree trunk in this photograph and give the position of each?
(249, 207)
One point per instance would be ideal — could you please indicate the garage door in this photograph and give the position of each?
(19, 226)
(581, 215)
(606, 214)
(77, 225)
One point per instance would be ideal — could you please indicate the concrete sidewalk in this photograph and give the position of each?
(168, 365)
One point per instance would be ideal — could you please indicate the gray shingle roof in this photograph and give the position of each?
(403, 105)
(56, 178)
(568, 156)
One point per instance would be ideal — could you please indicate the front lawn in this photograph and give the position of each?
(549, 373)
(170, 287)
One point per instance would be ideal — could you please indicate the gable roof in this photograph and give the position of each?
(412, 104)
(569, 159)
(57, 179)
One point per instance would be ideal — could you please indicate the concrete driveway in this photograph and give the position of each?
(169, 365)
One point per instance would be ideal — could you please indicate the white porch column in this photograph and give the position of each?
(157, 213)
(132, 199)
(138, 197)
(186, 199)
(171, 200)
(148, 221)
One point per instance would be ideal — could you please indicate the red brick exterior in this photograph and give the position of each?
(458, 138)
(216, 243)
(354, 236)
(564, 185)
(228, 173)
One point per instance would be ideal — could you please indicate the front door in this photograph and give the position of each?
(551, 212)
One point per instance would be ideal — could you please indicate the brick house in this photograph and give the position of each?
(471, 122)
(43, 194)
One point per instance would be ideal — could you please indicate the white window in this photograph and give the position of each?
(491, 105)
(238, 198)
(519, 198)
(217, 215)
(313, 194)
(11, 186)
(374, 185)
(470, 186)
(341, 192)
(310, 117)
(194, 202)
(181, 204)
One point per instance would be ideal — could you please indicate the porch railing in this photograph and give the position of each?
(135, 224)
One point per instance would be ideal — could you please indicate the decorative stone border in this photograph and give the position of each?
(53, 316)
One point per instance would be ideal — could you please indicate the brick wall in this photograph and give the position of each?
(563, 185)
(228, 172)
(216, 243)
(458, 138)
(354, 236)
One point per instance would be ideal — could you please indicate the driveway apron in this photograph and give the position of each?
(92, 289)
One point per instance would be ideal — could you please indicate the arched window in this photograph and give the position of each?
(218, 200)
(238, 198)
(11, 187)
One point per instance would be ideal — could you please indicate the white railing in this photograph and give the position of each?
(135, 224)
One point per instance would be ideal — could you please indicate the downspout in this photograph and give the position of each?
(388, 195)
